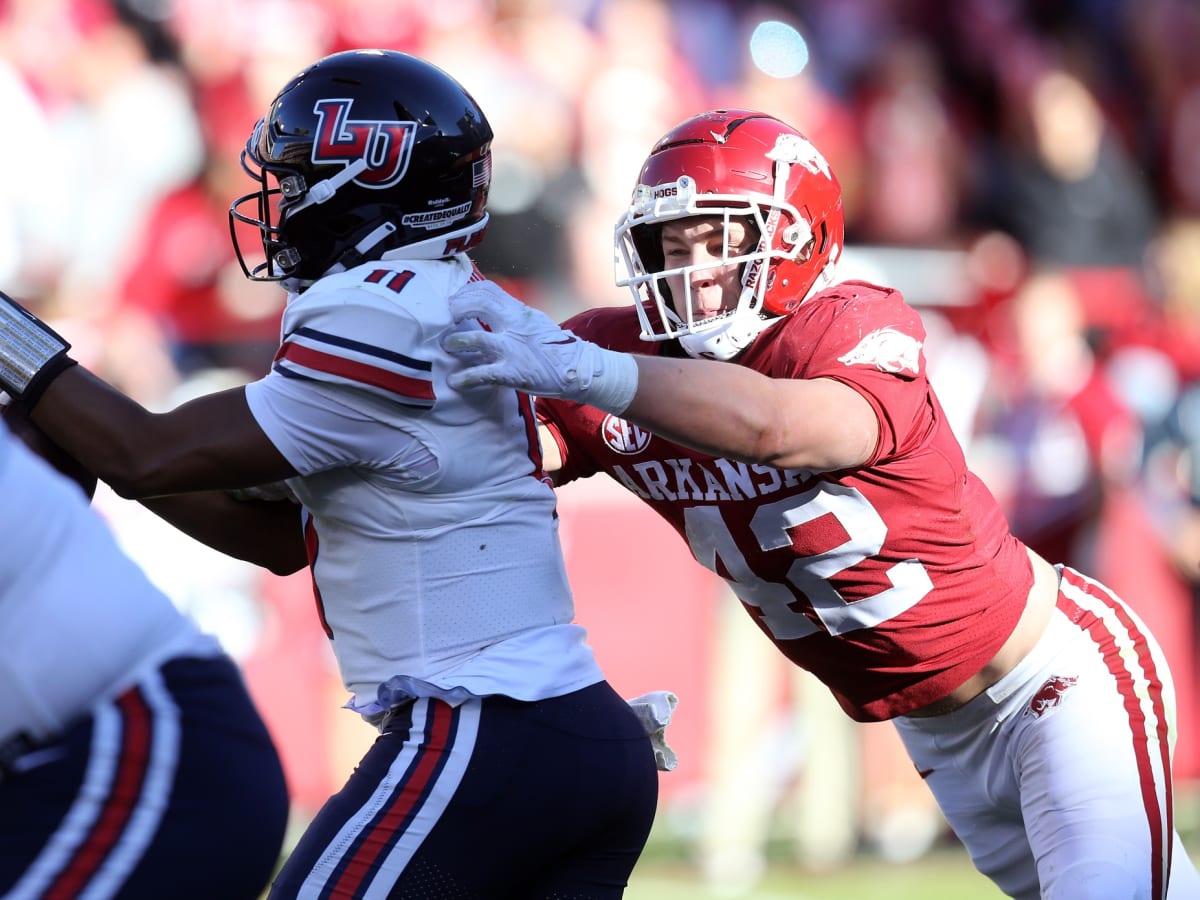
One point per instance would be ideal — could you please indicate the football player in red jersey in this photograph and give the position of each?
(791, 437)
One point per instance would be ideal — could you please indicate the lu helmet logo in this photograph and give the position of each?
(385, 145)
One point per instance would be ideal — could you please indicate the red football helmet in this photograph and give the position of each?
(372, 152)
(738, 164)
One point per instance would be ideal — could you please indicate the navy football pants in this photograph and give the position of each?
(491, 800)
(171, 790)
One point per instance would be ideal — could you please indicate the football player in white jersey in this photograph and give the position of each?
(133, 763)
(786, 427)
(506, 766)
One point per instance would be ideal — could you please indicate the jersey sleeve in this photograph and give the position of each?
(871, 340)
(364, 344)
(351, 370)
(556, 417)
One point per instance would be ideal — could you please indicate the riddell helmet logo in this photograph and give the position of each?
(623, 437)
(386, 146)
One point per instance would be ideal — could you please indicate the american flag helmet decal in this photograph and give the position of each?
(481, 171)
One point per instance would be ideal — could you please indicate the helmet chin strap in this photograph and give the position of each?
(348, 260)
(325, 189)
(359, 252)
(727, 339)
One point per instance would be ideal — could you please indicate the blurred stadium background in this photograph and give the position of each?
(1027, 173)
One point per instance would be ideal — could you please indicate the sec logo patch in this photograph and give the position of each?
(623, 437)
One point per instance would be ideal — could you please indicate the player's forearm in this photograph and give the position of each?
(210, 443)
(96, 424)
(35, 364)
(703, 406)
(266, 533)
(728, 410)
(716, 407)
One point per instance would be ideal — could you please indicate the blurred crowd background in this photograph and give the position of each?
(1028, 174)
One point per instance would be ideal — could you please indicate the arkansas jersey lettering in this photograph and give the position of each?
(711, 480)
(386, 146)
(869, 578)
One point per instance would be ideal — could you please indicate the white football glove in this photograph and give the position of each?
(525, 349)
(654, 711)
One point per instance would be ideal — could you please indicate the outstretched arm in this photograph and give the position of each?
(729, 410)
(210, 442)
(266, 533)
(718, 408)
(185, 458)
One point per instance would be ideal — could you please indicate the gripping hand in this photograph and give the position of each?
(520, 347)
(32, 354)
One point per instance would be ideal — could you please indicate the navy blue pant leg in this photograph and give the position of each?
(173, 789)
(490, 800)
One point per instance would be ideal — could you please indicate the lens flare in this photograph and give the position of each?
(778, 49)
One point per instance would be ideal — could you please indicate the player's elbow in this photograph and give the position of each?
(285, 565)
(825, 427)
(135, 475)
(771, 445)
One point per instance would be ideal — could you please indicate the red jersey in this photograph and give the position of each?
(893, 583)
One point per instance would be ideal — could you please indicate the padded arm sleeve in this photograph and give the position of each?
(32, 354)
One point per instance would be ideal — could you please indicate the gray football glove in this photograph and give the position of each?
(525, 349)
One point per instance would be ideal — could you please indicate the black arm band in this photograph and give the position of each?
(46, 374)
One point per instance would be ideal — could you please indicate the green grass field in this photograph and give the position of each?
(664, 873)
(943, 875)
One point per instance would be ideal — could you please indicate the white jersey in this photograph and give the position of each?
(79, 621)
(431, 529)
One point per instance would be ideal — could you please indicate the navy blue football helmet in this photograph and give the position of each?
(362, 153)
